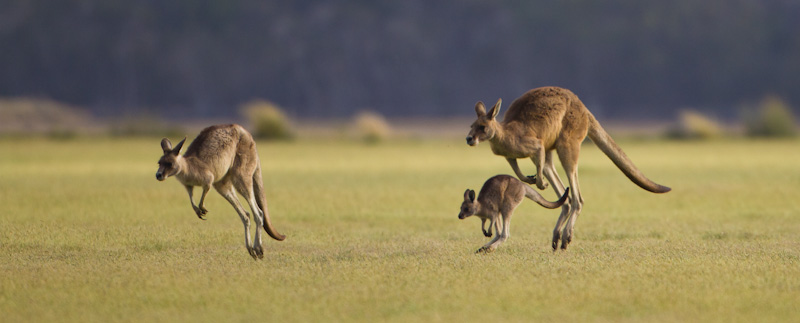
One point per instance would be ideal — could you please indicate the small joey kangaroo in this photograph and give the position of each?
(223, 156)
(537, 123)
(499, 196)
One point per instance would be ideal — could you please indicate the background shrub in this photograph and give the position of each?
(695, 125)
(41, 116)
(267, 121)
(371, 127)
(773, 118)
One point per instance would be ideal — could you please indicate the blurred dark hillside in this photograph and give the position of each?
(632, 59)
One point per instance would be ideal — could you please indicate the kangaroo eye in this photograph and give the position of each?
(167, 164)
(481, 128)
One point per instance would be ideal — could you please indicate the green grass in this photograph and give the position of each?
(88, 234)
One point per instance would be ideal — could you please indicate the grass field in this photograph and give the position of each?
(88, 234)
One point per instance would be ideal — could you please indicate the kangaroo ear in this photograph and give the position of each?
(471, 196)
(480, 109)
(495, 109)
(166, 146)
(177, 149)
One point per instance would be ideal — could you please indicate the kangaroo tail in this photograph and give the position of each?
(261, 200)
(536, 197)
(601, 138)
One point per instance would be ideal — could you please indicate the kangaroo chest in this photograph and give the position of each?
(514, 148)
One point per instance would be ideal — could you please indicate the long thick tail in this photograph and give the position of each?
(261, 200)
(601, 138)
(536, 197)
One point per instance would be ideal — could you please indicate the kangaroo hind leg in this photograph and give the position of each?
(501, 227)
(225, 188)
(244, 186)
(558, 186)
(569, 160)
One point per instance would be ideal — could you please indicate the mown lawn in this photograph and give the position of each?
(88, 234)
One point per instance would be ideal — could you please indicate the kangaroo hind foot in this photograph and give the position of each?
(256, 251)
(556, 237)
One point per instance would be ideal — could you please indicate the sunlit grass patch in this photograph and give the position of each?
(88, 234)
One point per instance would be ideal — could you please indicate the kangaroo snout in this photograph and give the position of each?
(160, 177)
(471, 141)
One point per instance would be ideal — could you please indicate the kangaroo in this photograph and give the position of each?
(500, 196)
(543, 120)
(223, 156)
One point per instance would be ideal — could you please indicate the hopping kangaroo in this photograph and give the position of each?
(223, 156)
(500, 195)
(543, 120)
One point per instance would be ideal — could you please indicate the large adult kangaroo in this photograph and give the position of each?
(543, 120)
(223, 156)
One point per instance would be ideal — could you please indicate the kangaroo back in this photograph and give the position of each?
(213, 141)
(536, 197)
(261, 200)
(606, 144)
(216, 148)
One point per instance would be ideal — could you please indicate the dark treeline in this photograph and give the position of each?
(625, 58)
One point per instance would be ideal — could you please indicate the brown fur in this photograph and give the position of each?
(543, 120)
(499, 197)
(223, 156)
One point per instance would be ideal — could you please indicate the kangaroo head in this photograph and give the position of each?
(469, 207)
(168, 164)
(485, 127)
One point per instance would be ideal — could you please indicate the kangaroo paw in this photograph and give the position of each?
(200, 211)
(540, 183)
(536, 180)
